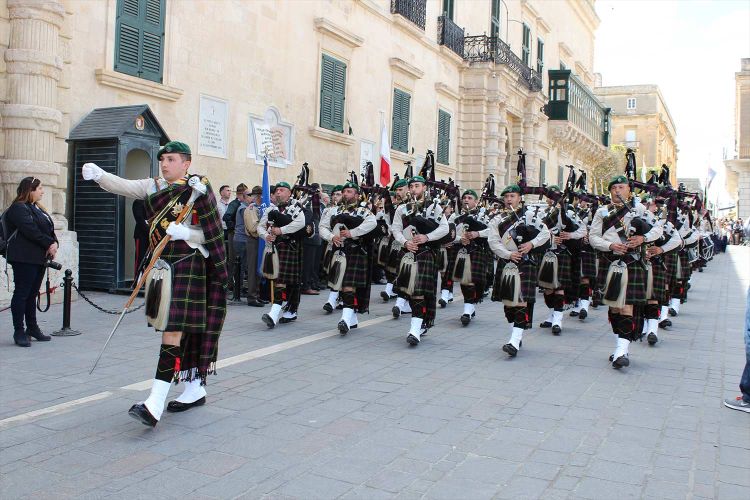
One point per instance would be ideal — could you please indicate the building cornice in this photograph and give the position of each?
(328, 27)
(138, 85)
(409, 69)
(443, 88)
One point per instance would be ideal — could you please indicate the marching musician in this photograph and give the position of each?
(474, 260)
(619, 232)
(344, 226)
(401, 187)
(667, 245)
(588, 265)
(280, 226)
(417, 226)
(688, 254)
(566, 230)
(195, 253)
(513, 237)
(449, 252)
(333, 296)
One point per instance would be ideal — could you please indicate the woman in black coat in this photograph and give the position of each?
(31, 242)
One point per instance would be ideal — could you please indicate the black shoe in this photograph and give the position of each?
(510, 349)
(176, 406)
(339, 307)
(254, 303)
(384, 295)
(665, 323)
(672, 312)
(583, 314)
(264, 301)
(573, 314)
(620, 362)
(442, 303)
(396, 312)
(140, 412)
(343, 327)
(546, 324)
(328, 308)
(284, 320)
(652, 338)
(36, 333)
(466, 319)
(268, 320)
(556, 330)
(412, 340)
(20, 338)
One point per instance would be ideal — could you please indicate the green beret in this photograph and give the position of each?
(618, 179)
(513, 188)
(400, 183)
(174, 147)
(337, 188)
(416, 178)
(350, 185)
(470, 192)
(554, 187)
(283, 184)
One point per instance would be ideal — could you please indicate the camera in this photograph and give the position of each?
(54, 265)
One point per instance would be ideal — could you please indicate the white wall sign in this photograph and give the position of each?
(269, 135)
(367, 153)
(212, 126)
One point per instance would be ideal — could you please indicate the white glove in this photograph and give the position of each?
(178, 231)
(91, 172)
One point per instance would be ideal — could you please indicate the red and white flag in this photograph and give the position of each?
(385, 157)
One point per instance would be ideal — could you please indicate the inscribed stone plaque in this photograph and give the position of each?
(212, 127)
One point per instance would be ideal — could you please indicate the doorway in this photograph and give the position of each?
(137, 166)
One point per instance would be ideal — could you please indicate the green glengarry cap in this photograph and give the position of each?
(337, 188)
(513, 188)
(350, 185)
(174, 147)
(283, 184)
(554, 187)
(416, 178)
(400, 183)
(470, 192)
(618, 179)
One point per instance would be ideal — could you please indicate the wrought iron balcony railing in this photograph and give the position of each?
(570, 99)
(451, 35)
(491, 48)
(413, 10)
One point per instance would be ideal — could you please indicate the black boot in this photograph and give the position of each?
(20, 338)
(36, 333)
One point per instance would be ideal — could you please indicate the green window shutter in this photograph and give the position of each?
(332, 93)
(526, 46)
(448, 8)
(539, 55)
(400, 122)
(542, 171)
(444, 137)
(139, 38)
(152, 51)
(495, 19)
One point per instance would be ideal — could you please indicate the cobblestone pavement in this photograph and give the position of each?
(299, 412)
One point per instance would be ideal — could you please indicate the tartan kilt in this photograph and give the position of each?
(564, 269)
(452, 252)
(356, 274)
(529, 281)
(685, 266)
(290, 262)
(588, 263)
(189, 312)
(394, 258)
(481, 264)
(427, 272)
(660, 282)
(637, 278)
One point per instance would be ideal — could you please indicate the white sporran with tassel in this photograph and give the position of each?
(407, 274)
(269, 264)
(548, 271)
(510, 286)
(616, 285)
(159, 294)
(336, 270)
(462, 267)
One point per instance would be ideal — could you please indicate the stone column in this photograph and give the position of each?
(529, 146)
(502, 138)
(492, 135)
(30, 117)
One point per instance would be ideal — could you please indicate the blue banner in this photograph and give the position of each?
(265, 202)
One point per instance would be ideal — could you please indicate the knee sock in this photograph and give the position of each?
(168, 365)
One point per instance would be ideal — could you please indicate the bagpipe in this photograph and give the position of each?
(448, 192)
(488, 197)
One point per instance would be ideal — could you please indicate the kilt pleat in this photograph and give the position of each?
(290, 262)
(481, 263)
(660, 282)
(427, 272)
(356, 275)
(588, 262)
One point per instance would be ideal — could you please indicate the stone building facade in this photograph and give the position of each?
(309, 81)
(738, 165)
(642, 122)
